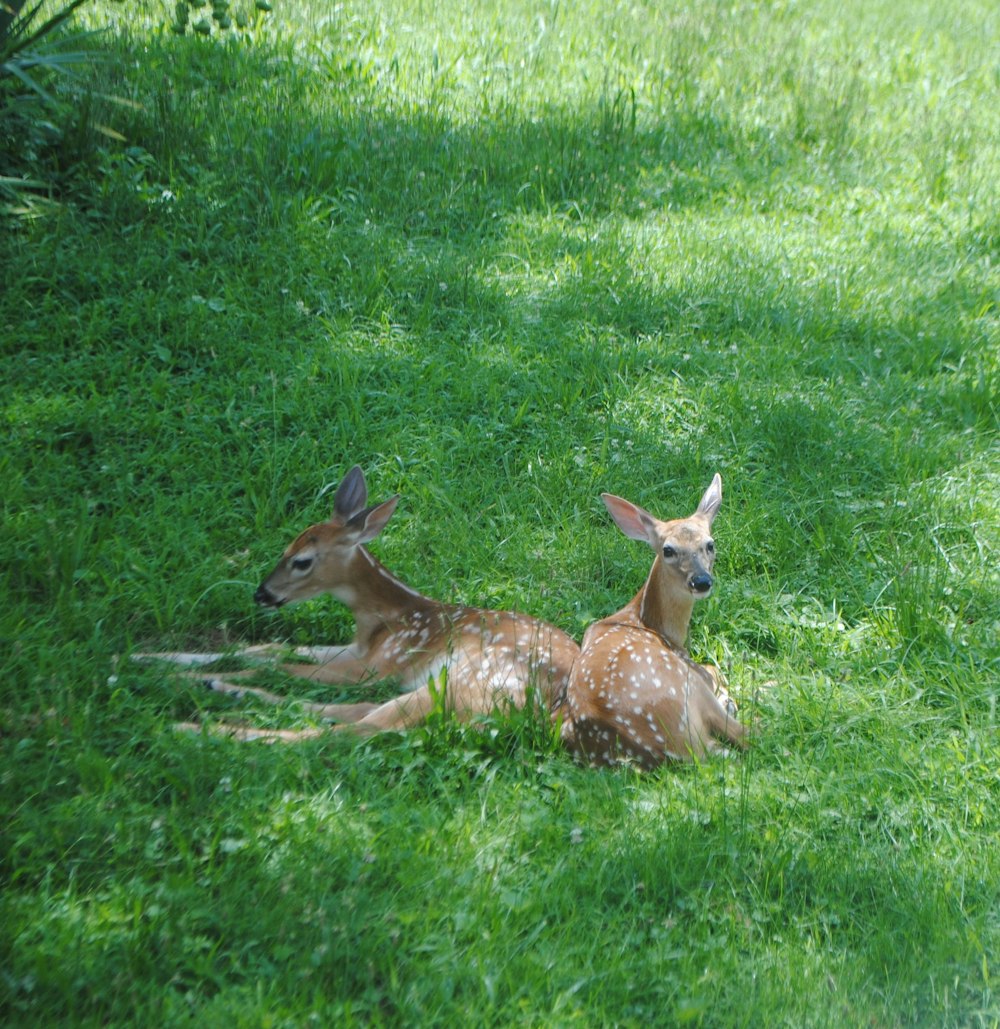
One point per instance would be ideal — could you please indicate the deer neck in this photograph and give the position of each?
(376, 597)
(661, 609)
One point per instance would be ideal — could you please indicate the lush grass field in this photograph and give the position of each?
(506, 256)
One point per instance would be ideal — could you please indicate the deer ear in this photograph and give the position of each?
(372, 520)
(709, 506)
(351, 495)
(631, 519)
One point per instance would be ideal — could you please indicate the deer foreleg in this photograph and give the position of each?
(260, 654)
(726, 729)
(247, 733)
(342, 656)
(344, 669)
(719, 688)
(330, 712)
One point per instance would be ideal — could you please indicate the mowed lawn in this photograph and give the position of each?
(505, 257)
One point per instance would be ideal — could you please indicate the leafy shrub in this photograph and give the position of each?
(39, 65)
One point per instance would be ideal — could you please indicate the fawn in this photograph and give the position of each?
(634, 693)
(486, 657)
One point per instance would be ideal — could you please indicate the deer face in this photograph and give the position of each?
(685, 550)
(322, 559)
(307, 568)
(687, 554)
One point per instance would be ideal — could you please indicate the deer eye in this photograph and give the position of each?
(301, 564)
(669, 552)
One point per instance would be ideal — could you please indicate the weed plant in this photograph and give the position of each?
(506, 256)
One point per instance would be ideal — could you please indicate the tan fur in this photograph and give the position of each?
(635, 694)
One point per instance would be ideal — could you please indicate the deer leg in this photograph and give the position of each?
(247, 733)
(394, 715)
(726, 728)
(412, 709)
(342, 656)
(330, 712)
(259, 654)
(321, 655)
(217, 684)
(713, 716)
(343, 670)
(400, 713)
(397, 714)
(719, 685)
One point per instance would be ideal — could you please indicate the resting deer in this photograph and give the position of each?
(487, 657)
(635, 694)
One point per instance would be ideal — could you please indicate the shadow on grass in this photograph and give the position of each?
(343, 269)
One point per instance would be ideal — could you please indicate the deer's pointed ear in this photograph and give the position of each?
(709, 506)
(367, 524)
(351, 495)
(631, 519)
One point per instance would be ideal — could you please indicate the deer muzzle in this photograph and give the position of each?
(266, 598)
(700, 584)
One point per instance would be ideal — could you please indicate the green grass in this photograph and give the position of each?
(506, 257)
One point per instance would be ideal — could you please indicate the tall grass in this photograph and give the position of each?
(505, 257)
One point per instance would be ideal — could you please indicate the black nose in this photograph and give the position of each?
(266, 598)
(700, 583)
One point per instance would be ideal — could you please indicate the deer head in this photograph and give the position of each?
(682, 568)
(321, 559)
